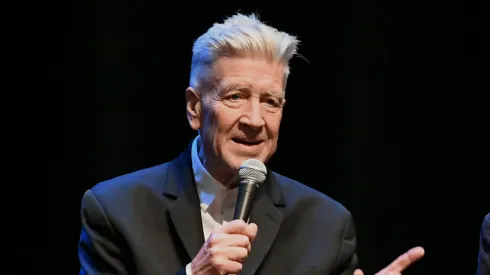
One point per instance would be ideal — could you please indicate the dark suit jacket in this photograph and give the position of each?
(148, 222)
(484, 254)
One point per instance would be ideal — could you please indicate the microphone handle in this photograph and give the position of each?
(246, 194)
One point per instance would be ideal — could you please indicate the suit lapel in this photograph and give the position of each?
(184, 211)
(268, 219)
(185, 214)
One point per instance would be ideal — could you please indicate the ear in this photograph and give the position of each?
(193, 108)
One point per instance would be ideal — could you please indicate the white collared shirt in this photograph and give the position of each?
(217, 202)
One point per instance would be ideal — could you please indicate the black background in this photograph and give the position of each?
(385, 113)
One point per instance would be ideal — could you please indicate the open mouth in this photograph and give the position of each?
(247, 142)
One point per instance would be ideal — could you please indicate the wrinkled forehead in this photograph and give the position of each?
(248, 73)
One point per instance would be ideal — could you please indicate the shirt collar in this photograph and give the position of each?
(208, 187)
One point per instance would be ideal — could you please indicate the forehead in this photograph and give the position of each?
(255, 73)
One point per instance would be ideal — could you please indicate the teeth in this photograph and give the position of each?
(246, 142)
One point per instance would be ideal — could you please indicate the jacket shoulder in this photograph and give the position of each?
(486, 222)
(151, 178)
(296, 192)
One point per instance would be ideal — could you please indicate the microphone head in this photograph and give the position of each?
(253, 169)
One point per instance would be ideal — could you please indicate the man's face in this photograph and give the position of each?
(240, 115)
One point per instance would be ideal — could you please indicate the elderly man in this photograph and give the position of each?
(177, 217)
(484, 254)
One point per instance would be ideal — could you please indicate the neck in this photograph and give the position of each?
(222, 175)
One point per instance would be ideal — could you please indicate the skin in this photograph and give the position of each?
(225, 249)
(401, 263)
(242, 99)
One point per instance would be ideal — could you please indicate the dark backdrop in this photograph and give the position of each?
(384, 114)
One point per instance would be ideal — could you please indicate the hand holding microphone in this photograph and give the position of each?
(225, 250)
(229, 245)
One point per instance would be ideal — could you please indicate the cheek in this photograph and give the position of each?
(226, 119)
(274, 124)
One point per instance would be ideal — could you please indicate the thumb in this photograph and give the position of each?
(358, 272)
(252, 231)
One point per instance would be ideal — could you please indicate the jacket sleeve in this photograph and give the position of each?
(99, 248)
(347, 260)
(484, 253)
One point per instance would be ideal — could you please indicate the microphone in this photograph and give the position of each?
(251, 173)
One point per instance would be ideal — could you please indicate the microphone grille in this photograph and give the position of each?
(253, 169)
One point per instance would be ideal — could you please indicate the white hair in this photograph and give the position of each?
(241, 35)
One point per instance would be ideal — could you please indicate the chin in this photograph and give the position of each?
(234, 157)
(236, 161)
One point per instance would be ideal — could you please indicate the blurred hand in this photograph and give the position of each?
(401, 263)
(225, 249)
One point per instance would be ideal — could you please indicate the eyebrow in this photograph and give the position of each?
(274, 94)
(240, 87)
(232, 87)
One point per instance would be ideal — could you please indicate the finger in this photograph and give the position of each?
(233, 227)
(405, 260)
(251, 231)
(229, 267)
(232, 240)
(232, 253)
(238, 254)
(240, 227)
(358, 272)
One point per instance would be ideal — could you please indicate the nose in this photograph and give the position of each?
(253, 116)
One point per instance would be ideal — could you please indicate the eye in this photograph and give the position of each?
(272, 102)
(234, 97)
